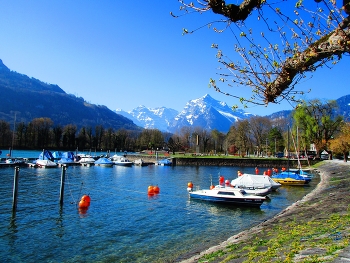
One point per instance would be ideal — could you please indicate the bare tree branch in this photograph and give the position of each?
(309, 40)
(234, 12)
(333, 44)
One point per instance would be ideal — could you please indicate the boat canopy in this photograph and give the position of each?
(57, 155)
(252, 180)
(69, 155)
(46, 155)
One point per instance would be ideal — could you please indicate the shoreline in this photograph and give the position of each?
(325, 170)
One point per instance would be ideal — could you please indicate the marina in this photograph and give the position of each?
(123, 223)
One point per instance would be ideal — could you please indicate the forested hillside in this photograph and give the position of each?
(28, 98)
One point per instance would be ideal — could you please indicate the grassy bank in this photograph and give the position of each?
(314, 229)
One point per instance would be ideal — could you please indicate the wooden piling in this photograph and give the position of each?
(15, 190)
(63, 176)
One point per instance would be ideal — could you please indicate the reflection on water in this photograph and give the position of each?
(123, 223)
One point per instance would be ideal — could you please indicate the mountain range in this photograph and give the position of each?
(29, 98)
(205, 112)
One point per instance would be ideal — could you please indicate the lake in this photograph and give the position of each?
(123, 223)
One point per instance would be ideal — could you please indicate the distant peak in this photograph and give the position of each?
(3, 67)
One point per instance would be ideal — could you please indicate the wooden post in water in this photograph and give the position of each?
(63, 176)
(15, 190)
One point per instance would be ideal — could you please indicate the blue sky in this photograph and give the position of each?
(123, 54)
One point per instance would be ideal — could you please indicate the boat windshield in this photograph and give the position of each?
(225, 193)
(243, 192)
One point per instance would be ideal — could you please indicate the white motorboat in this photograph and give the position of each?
(227, 195)
(86, 160)
(121, 160)
(140, 162)
(45, 164)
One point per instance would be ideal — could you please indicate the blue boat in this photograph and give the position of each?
(290, 178)
(103, 161)
(165, 162)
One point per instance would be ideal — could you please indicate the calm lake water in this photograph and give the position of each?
(122, 224)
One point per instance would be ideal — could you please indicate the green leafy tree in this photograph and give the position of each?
(316, 122)
(276, 141)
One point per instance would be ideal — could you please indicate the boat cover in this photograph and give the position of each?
(46, 155)
(252, 180)
(69, 155)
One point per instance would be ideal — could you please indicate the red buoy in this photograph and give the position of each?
(86, 198)
(269, 172)
(190, 185)
(156, 189)
(83, 204)
(150, 190)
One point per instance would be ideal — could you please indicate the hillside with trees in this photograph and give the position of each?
(27, 98)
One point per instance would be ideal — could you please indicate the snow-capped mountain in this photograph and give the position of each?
(208, 113)
(204, 112)
(157, 118)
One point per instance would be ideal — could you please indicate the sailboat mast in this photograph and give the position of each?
(13, 135)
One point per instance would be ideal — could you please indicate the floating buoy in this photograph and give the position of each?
(190, 185)
(150, 190)
(269, 172)
(84, 204)
(86, 198)
(156, 189)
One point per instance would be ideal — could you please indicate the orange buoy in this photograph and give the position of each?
(269, 172)
(150, 190)
(83, 204)
(190, 185)
(156, 189)
(86, 198)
